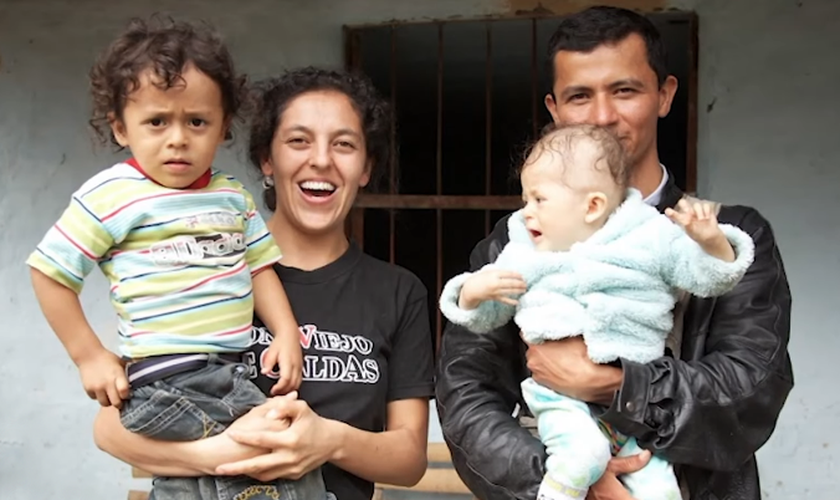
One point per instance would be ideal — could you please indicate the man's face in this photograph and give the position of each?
(614, 87)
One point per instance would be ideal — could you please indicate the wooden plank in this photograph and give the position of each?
(436, 452)
(137, 472)
(138, 495)
(440, 480)
(434, 481)
(439, 453)
(445, 202)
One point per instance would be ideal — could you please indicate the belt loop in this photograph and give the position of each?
(230, 358)
(215, 358)
(155, 368)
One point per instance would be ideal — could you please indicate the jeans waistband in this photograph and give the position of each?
(154, 368)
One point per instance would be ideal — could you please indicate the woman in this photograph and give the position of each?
(319, 137)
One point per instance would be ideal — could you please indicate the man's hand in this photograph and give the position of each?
(609, 487)
(491, 284)
(701, 225)
(103, 377)
(565, 367)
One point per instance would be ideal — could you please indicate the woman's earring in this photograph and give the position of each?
(268, 182)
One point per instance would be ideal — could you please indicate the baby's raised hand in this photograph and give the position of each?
(698, 220)
(700, 223)
(491, 284)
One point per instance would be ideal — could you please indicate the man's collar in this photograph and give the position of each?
(670, 193)
(655, 197)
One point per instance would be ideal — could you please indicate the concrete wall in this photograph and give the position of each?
(768, 74)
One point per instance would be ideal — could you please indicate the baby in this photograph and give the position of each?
(588, 257)
(185, 250)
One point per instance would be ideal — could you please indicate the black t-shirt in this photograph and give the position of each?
(366, 341)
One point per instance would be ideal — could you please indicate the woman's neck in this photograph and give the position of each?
(306, 251)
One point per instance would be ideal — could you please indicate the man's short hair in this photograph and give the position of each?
(589, 29)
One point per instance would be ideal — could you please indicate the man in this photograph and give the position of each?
(706, 406)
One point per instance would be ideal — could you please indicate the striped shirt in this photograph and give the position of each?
(179, 261)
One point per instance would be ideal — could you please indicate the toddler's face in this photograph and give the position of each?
(173, 133)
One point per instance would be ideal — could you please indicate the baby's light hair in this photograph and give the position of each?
(564, 140)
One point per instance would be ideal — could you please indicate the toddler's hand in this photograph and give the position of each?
(286, 352)
(103, 377)
(491, 284)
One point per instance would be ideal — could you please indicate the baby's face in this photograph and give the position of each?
(554, 211)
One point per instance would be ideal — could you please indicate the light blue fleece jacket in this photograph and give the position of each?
(617, 289)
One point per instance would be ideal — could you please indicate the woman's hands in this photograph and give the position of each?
(222, 449)
(296, 438)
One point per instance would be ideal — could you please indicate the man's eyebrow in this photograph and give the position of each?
(583, 89)
(575, 89)
(627, 82)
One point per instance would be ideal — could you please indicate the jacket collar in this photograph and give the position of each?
(671, 194)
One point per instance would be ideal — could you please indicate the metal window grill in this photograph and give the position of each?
(485, 80)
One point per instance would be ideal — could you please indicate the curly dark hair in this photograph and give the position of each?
(164, 46)
(272, 96)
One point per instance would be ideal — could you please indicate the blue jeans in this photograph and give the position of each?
(202, 403)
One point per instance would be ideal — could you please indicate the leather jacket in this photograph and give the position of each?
(706, 412)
